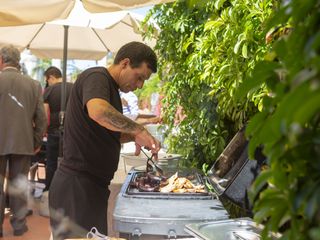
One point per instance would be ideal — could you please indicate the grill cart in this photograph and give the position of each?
(158, 215)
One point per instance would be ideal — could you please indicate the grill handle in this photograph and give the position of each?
(172, 234)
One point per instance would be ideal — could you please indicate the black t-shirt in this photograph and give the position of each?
(90, 148)
(52, 96)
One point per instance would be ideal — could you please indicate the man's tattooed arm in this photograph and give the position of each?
(126, 137)
(106, 115)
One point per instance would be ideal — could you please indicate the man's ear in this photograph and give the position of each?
(125, 62)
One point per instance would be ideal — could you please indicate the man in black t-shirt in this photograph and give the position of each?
(52, 105)
(94, 129)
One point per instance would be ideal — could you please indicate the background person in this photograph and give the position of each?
(144, 106)
(22, 125)
(52, 104)
(130, 106)
(94, 129)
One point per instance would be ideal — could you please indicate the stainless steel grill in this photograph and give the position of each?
(156, 215)
(143, 215)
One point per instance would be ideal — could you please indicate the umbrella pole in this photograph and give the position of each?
(63, 88)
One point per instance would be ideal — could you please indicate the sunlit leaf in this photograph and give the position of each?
(245, 50)
(237, 46)
(279, 215)
(262, 214)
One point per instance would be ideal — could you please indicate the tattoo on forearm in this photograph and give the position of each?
(117, 120)
(125, 137)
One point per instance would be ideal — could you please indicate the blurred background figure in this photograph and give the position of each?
(130, 106)
(154, 101)
(22, 125)
(130, 109)
(144, 106)
(179, 116)
(52, 104)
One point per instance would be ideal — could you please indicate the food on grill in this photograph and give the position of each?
(181, 185)
(149, 182)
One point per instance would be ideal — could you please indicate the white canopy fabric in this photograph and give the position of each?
(96, 6)
(22, 12)
(90, 36)
(47, 41)
(80, 40)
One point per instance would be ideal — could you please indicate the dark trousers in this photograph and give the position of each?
(76, 203)
(52, 152)
(17, 188)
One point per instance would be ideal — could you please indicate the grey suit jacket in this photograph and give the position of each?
(22, 116)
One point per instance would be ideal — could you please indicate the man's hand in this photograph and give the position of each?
(145, 139)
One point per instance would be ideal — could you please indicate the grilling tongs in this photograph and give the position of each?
(151, 165)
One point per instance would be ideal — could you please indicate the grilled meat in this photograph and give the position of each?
(181, 185)
(149, 182)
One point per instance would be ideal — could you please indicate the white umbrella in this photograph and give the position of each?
(84, 41)
(77, 37)
(21, 12)
(90, 36)
(47, 40)
(95, 6)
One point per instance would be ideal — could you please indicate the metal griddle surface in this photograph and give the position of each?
(194, 177)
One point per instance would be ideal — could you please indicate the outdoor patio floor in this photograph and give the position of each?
(38, 227)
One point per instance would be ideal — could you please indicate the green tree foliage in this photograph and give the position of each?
(288, 124)
(206, 49)
(217, 66)
(150, 86)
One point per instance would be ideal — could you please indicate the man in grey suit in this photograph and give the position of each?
(22, 125)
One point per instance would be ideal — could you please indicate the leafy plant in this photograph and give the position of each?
(150, 86)
(288, 125)
(206, 49)
(217, 66)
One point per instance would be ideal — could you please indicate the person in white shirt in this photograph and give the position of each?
(130, 106)
(130, 109)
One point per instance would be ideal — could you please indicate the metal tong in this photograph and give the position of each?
(151, 165)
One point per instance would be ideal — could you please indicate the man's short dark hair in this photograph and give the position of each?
(53, 71)
(138, 53)
(10, 55)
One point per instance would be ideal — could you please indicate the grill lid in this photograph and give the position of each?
(228, 163)
(220, 184)
(230, 155)
(233, 172)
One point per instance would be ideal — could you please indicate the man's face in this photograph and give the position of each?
(132, 78)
